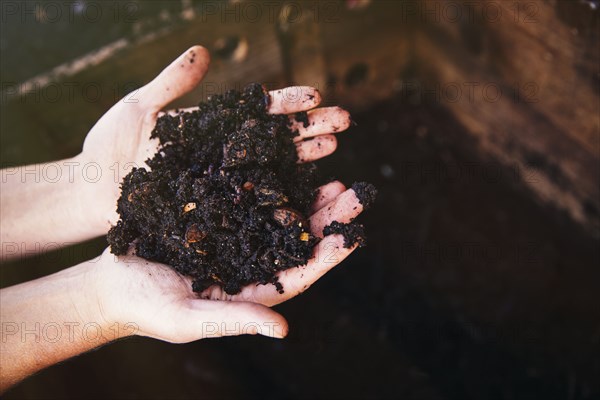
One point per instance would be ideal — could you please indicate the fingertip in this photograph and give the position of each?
(285, 330)
(342, 117)
(197, 60)
(276, 326)
(331, 144)
(327, 193)
(317, 97)
(336, 187)
(262, 320)
(177, 79)
(201, 51)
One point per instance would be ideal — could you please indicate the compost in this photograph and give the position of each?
(225, 200)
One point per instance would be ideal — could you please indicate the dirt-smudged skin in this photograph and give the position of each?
(354, 234)
(225, 201)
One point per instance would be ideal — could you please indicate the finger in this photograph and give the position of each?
(321, 121)
(326, 194)
(179, 78)
(328, 253)
(206, 319)
(315, 148)
(293, 99)
(343, 209)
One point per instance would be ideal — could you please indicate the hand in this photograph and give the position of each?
(120, 140)
(161, 304)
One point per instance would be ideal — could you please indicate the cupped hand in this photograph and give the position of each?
(120, 140)
(159, 302)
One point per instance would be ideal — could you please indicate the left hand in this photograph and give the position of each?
(120, 140)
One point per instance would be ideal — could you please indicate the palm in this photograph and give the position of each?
(118, 142)
(152, 298)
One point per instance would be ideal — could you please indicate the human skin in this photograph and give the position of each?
(51, 319)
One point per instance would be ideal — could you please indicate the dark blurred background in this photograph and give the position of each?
(477, 120)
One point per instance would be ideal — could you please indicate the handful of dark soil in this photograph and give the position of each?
(225, 201)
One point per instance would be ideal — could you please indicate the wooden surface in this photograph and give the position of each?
(546, 123)
(521, 76)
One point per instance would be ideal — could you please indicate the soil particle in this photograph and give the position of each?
(303, 118)
(365, 192)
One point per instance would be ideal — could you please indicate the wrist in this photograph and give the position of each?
(49, 320)
(94, 299)
(51, 205)
(96, 316)
(96, 195)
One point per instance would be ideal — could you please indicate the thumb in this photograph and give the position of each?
(177, 79)
(246, 318)
(215, 318)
